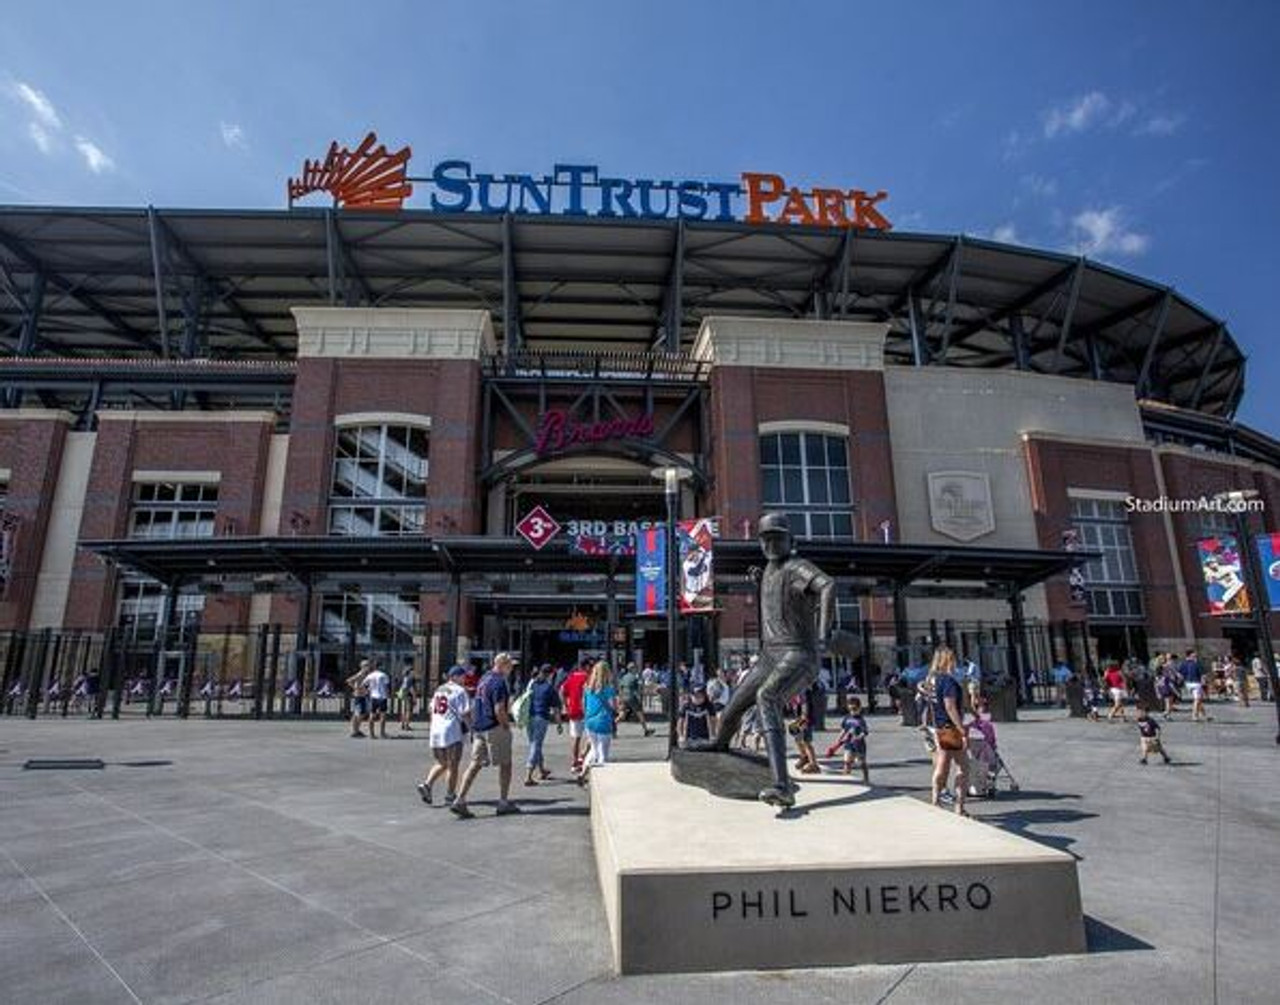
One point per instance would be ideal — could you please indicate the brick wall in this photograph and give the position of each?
(237, 450)
(31, 448)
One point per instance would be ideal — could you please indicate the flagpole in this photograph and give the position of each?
(671, 478)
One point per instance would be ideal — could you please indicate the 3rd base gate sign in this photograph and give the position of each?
(537, 527)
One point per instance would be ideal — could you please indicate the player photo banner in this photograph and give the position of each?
(697, 556)
(1268, 551)
(1223, 575)
(651, 571)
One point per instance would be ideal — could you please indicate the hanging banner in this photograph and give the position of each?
(1077, 586)
(697, 542)
(1268, 551)
(651, 571)
(603, 545)
(1223, 576)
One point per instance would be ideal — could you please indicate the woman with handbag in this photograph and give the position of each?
(948, 728)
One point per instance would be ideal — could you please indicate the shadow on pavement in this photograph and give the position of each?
(1102, 938)
(1019, 821)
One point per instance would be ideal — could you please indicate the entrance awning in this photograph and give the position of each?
(995, 571)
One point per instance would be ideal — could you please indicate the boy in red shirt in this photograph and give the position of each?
(1119, 688)
(571, 698)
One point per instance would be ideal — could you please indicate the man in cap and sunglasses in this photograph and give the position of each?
(797, 615)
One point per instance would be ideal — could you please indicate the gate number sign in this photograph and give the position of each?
(537, 527)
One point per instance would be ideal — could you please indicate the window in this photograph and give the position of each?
(379, 481)
(165, 511)
(1112, 586)
(170, 510)
(806, 475)
(385, 619)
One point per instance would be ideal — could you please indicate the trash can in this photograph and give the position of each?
(1075, 698)
(906, 699)
(1004, 703)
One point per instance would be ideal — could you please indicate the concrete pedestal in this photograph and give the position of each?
(694, 882)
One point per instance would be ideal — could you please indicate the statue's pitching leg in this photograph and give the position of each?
(743, 697)
(788, 678)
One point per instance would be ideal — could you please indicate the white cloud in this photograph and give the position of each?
(1160, 125)
(1104, 232)
(94, 157)
(1014, 145)
(1006, 233)
(1122, 114)
(1039, 185)
(1076, 116)
(39, 104)
(40, 137)
(233, 135)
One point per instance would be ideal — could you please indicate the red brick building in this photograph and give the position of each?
(423, 376)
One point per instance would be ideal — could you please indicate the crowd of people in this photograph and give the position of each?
(474, 715)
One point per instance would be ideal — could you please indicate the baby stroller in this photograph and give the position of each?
(986, 764)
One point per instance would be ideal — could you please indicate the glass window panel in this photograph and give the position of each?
(790, 444)
(818, 487)
(348, 442)
(819, 525)
(842, 524)
(370, 442)
(815, 454)
(792, 485)
(769, 452)
(840, 486)
(837, 454)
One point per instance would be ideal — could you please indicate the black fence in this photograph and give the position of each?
(262, 674)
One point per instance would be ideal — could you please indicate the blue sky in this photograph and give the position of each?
(1144, 135)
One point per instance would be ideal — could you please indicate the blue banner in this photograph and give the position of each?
(1268, 546)
(651, 571)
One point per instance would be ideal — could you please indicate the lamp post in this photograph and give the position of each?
(671, 477)
(1235, 501)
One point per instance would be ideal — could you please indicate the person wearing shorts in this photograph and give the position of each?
(449, 708)
(1118, 688)
(359, 697)
(1193, 677)
(378, 685)
(491, 737)
(571, 692)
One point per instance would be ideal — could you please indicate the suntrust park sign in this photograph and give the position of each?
(585, 190)
(374, 178)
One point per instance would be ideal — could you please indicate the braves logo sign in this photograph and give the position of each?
(370, 177)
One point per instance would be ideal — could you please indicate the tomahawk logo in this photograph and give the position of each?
(370, 177)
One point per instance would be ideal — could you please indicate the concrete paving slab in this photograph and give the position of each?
(381, 974)
(1177, 868)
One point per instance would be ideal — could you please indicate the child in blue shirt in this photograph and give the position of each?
(853, 740)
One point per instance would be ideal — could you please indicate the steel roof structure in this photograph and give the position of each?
(188, 284)
(996, 571)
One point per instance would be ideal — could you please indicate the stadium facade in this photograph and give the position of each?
(335, 420)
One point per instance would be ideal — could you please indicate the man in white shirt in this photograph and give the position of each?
(450, 710)
(378, 685)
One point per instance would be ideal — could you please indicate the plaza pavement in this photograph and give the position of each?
(283, 862)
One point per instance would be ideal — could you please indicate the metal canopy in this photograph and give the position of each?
(139, 282)
(349, 559)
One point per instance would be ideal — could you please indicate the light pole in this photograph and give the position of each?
(1235, 502)
(671, 477)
